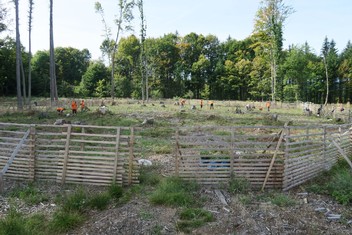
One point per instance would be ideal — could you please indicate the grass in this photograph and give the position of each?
(29, 194)
(337, 183)
(191, 218)
(238, 185)
(176, 192)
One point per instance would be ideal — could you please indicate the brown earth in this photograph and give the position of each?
(240, 214)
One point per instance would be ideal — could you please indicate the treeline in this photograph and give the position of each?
(194, 66)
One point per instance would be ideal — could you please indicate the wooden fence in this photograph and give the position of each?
(95, 155)
(272, 157)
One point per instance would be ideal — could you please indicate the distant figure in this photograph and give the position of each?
(211, 105)
(319, 110)
(201, 104)
(60, 110)
(268, 104)
(82, 105)
(74, 107)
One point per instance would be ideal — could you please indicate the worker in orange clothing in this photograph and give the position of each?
(82, 105)
(74, 107)
(268, 104)
(60, 110)
(201, 104)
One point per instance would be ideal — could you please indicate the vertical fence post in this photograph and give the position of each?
(232, 153)
(177, 156)
(67, 148)
(1, 183)
(324, 149)
(116, 154)
(131, 157)
(32, 152)
(286, 182)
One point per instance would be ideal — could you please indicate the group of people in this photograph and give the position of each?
(74, 107)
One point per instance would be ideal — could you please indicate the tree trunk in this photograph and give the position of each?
(18, 60)
(30, 54)
(53, 86)
(327, 81)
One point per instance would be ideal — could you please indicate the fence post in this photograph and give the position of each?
(32, 152)
(177, 156)
(232, 154)
(131, 157)
(67, 147)
(1, 183)
(285, 182)
(116, 154)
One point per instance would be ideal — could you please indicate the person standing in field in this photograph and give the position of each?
(268, 104)
(82, 105)
(74, 107)
(211, 104)
(201, 104)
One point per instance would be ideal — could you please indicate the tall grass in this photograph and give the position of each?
(337, 183)
(174, 191)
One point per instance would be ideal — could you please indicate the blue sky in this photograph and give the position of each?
(77, 25)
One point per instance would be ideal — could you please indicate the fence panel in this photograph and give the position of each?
(71, 153)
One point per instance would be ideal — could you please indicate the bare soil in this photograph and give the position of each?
(310, 214)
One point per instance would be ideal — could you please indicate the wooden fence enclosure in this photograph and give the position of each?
(268, 157)
(271, 157)
(94, 155)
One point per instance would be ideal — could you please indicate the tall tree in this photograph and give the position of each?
(143, 67)
(122, 21)
(269, 25)
(3, 13)
(18, 59)
(53, 84)
(30, 18)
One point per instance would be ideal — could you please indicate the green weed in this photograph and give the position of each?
(238, 184)
(191, 218)
(174, 191)
(64, 221)
(100, 201)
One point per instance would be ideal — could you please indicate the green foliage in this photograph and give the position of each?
(149, 175)
(13, 224)
(99, 201)
(282, 200)
(174, 191)
(238, 184)
(115, 191)
(191, 218)
(337, 183)
(30, 194)
(64, 221)
(77, 201)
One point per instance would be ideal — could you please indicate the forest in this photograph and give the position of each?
(190, 66)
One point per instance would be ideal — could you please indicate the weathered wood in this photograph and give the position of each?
(274, 157)
(14, 153)
(131, 157)
(342, 153)
(67, 146)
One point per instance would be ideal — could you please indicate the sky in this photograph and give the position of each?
(77, 25)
